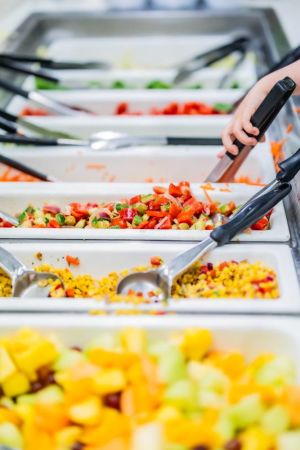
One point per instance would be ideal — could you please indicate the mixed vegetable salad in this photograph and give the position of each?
(120, 390)
(167, 208)
(227, 279)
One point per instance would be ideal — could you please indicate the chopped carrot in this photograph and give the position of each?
(277, 152)
(248, 180)
(12, 175)
(73, 260)
(96, 166)
(208, 187)
(225, 190)
(289, 128)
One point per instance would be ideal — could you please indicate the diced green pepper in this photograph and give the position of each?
(165, 207)
(223, 107)
(141, 208)
(147, 198)
(120, 206)
(118, 84)
(22, 217)
(60, 219)
(137, 220)
(158, 84)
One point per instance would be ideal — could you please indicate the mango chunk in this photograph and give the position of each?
(109, 381)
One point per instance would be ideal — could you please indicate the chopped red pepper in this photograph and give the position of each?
(73, 260)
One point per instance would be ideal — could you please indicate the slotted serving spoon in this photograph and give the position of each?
(25, 282)
(161, 280)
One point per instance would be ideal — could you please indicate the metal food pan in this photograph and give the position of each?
(249, 335)
(139, 79)
(99, 259)
(200, 126)
(105, 103)
(138, 165)
(15, 198)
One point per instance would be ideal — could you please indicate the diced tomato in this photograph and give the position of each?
(175, 190)
(73, 260)
(209, 227)
(5, 224)
(261, 224)
(157, 213)
(198, 206)
(142, 224)
(79, 211)
(51, 209)
(135, 199)
(166, 225)
(70, 292)
(53, 223)
(117, 222)
(185, 217)
(155, 261)
(122, 108)
(151, 224)
(128, 214)
(159, 190)
(174, 210)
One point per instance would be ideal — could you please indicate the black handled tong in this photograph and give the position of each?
(268, 110)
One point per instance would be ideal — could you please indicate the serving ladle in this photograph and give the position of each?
(160, 281)
(25, 282)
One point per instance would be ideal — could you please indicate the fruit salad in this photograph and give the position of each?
(171, 208)
(228, 279)
(128, 390)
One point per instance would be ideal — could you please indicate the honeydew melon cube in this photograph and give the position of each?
(276, 420)
(225, 427)
(67, 358)
(148, 436)
(107, 341)
(249, 411)
(10, 436)
(171, 365)
(50, 395)
(278, 372)
(289, 440)
(27, 399)
(182, 394)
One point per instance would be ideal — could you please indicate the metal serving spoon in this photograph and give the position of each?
(108, 140)
(161, 279)
(25, 282)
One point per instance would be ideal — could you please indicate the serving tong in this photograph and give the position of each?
(44, 101)
(54, 64)
(265, 114)
(185, 70)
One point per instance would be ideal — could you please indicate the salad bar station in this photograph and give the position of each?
(149, 282)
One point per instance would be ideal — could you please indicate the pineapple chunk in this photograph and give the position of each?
(134, 340)
(109, 381)
(67, 437)
(40, 354)
(196, 343)
(87, 412)
(7, 366)
(16, 384)
(256, 439)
